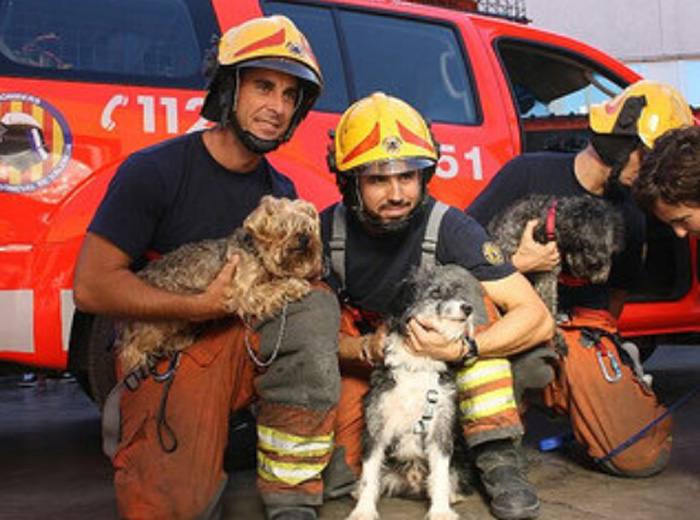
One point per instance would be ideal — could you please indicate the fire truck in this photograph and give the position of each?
(83, 83)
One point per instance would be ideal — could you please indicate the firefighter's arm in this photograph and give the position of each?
(533, 256)
(526, 323)
(104, 284)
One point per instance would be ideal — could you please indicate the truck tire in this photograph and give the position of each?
(90, 355)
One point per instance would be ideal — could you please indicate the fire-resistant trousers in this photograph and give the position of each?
(169, 460)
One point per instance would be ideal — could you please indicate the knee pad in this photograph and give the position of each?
(305, 370)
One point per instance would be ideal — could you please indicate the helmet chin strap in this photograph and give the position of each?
(252, 142)
(613, 188)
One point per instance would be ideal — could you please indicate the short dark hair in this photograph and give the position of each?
(670, 172)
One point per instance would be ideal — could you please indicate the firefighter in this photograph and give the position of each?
(669, 181)
(383, 156)
(606, 403)
(174, 420)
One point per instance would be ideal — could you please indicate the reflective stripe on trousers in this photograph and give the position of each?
(488, 409)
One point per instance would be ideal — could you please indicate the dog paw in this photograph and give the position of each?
(363, 515)
(442, 515)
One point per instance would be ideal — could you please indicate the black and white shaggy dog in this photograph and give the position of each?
(588, 232)
(411, 408)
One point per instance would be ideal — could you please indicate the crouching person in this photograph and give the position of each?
(172, 420)
(383, 156)
(610, 404)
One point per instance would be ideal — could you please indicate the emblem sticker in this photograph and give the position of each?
(392, 144)
(35, 143)
(295, 48)
(492, 253)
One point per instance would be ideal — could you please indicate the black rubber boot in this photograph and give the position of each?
(511, 495)
(291, 513)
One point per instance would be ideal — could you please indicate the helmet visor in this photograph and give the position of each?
(291, 67)
(394, 166)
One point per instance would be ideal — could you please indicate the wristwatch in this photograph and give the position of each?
(470, 348)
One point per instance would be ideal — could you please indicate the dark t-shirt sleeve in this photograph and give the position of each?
(463, 241)
(508, 185)
(129, 213)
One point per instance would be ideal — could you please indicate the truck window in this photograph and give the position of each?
(552, 90)
(317, 24)
(149, 42)
(418, 61)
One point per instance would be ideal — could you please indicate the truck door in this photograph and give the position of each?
(419, 59)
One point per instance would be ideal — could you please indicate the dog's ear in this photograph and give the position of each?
(244, 239)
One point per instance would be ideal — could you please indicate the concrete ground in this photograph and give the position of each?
(51, 466)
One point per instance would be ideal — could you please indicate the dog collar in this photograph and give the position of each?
(550, 224)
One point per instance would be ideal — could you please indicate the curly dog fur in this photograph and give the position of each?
(588, 232)
(411, 408)
(280, 253)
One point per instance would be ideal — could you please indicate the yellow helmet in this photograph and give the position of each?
(271, 42)
(645, 109)
(382, 134)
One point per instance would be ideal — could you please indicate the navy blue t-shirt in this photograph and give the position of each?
(175, 192)
(376, 265)
(553, 174)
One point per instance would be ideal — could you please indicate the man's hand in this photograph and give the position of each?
(425, 340)
(219, 299)
(533, 256)
(368, 348)
(373, 347)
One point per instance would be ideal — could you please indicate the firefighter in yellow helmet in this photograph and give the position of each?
(603, 414)
(383, 156)
(167, 427)
(381, 136)
(272, 43)
(626, 126)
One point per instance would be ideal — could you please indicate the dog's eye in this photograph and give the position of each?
(303, 241)
(436, 294)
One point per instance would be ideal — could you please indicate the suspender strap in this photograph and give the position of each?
(430, 239)
(337, 243)
(339, 235)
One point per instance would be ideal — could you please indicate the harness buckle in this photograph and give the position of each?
(420, 428)
(617, 373)
(133, 380)
(431, 396)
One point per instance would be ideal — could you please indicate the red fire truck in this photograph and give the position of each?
(87, 82)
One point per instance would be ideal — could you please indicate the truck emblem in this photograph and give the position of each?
(35, 143)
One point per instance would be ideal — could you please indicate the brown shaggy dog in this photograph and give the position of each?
(280, 254)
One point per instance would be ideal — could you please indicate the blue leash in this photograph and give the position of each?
(634, 438)
(552, 443)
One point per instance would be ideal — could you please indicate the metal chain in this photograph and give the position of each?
(275, 351)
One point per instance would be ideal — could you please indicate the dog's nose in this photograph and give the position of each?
(466, 309)
(304, 241)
